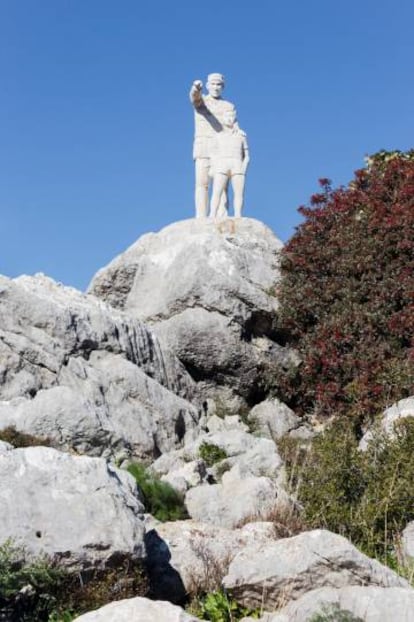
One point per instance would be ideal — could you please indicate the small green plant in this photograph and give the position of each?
(160, 498)
(218, 607)
(332, 613)
(64, 616)
(211, 454)
(22, 439)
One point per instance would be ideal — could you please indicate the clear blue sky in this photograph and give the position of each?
(96, 126)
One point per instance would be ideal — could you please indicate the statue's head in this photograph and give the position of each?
(229, 118)
(215, 84)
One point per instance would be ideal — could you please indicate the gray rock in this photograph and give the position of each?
(238, 499)
(247, 456)
(87, 376)
(74, 508)
(138, 610)
(400, 410)
(273, 419)
(208, 290)
(407, 542)
(368, 603)
(273, 574)
(224, 424)
(5, 447)
(187, 557)
(188, 476)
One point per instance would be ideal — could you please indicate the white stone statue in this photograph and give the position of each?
(209, 111)
(229, 160)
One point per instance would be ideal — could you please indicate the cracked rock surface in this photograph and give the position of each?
(208, 289)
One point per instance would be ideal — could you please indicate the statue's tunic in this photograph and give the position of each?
(228, 152)
(208, 118)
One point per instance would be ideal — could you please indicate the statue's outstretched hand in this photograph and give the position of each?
(197, 85)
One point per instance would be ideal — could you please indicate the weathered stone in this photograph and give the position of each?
(5, 447)
(366, 603)
(273, 419)
(400, 410)
(270, 575)
(224, 424)
(407, 542)
(189, 475)
(239, 498)
(208, 290)
(87, 376)
(75, 508)
(138, 610)
(187, 557)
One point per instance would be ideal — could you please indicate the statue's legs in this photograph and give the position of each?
(202, 166)
(237, 182)
(223, 209)
(219, 187)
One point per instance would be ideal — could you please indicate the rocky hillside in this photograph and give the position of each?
(153, 396)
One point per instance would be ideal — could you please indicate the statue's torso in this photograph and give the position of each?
(208, 119)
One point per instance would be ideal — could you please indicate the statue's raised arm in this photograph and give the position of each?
(196, 96)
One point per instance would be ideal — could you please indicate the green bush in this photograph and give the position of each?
(218, 607)
(347, 293)
(41, 591)
(28, 591)
(160, 499)
(366, 496)
(211, 454)
(22, 439)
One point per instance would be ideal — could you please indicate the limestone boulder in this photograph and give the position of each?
(137, 610)
(189, 557)
(239, 498)
(208, 289)
(407, 542)
(250, 466)
(400, 410)
(77, 509)
(86, 375)
(366, 603)
(273, 574)
(273, 419)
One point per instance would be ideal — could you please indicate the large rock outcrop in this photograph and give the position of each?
(271, 575)
(363, 603)
(208, 289)
(77, 509)
(86, 375)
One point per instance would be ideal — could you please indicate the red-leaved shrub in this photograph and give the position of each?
(347, 293)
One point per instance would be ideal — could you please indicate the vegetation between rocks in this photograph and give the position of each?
(22, 439)
(39, 590)
(332, 613)
(366, 496)
(211, 454)
(160, 498)
(219, 607)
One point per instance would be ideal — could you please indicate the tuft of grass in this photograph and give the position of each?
(211, 454)
(22, 439)
(332, 613)
(160, 498)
